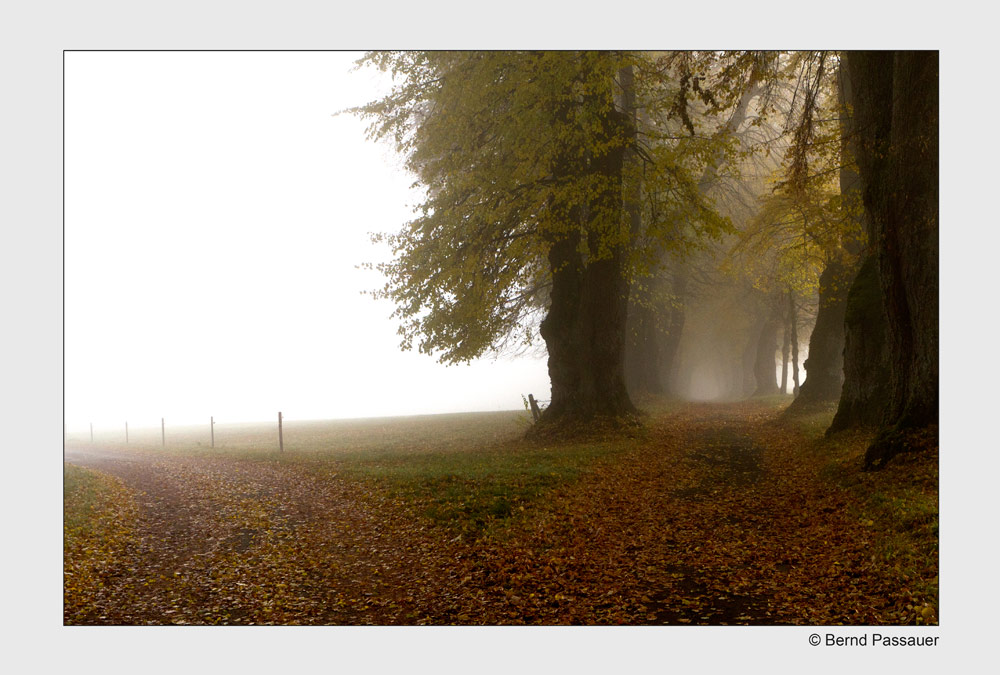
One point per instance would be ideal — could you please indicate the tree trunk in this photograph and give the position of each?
(866, 356)
(585, 336)
(896, 114)
(643, 369)
(785, 345)
(749, 359)
(767, 346)
(793, 320)
(643, 356)
(865, 367)
(585, 328)
(825, 365)
(675, 331)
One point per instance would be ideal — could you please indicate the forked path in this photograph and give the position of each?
(713, 517)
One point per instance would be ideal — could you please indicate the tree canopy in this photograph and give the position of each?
(504, 145)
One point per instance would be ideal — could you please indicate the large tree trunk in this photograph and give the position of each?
(585, 328)
(865, 369)
(896, 114)
(825, 365)
(866, 356)
(584, 332)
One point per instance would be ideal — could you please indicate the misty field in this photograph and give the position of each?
(708, 514)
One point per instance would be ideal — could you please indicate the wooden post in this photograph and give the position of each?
(281, 440)
(163, 433)
(535, 412)
(212, 426)
(91, 433)
(126, 433)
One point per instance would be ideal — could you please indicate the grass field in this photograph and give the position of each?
(466, 471)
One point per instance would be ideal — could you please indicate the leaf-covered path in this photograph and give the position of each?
(224, 541)
(716, 515)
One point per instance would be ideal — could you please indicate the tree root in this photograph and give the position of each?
(573, 427)
(893, 442)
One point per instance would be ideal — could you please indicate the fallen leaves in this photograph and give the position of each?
(98, 528)
(716, 515)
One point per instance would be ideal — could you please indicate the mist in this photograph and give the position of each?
(218, 212)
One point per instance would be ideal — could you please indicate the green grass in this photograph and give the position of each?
(98, 517)
(900, 502)
(470, 472)
(85, 494)
(323, 439)
(96, 508)
(477, 492)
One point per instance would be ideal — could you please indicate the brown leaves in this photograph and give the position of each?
(97, 531)
(716, 516)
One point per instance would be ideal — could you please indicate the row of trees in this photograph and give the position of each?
(595, 199)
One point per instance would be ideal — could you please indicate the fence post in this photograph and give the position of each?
(91, 433)
(535, 412)
(163, 433)
(281, 440)
(212, 426)
(126, 433)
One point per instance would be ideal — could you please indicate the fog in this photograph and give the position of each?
(216, 212)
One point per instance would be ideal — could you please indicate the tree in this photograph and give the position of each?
(865, 390)
(825, 365)
(523, 156)
(713, 95)
(895, 102)
(807, 234)
(767, 345)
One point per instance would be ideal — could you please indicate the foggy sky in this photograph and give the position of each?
(216, 212)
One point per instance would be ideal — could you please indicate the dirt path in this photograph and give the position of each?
(229, 541)
(713, 518)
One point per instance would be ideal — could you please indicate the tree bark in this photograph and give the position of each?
(585, 336)
(864, 375)
(793, 321)
(825, 365)
(749, 360)
(896, 114)
(643, 369)
(675, 331)
(785, 346)
(765, 374)
(585, 328)
(866, 356)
